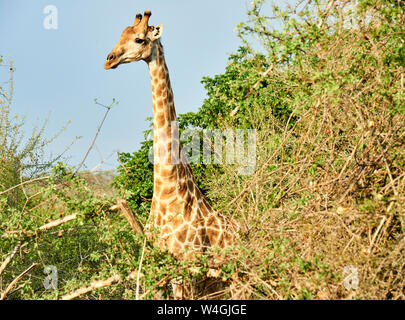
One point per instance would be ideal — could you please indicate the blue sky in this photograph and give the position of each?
(61, 71)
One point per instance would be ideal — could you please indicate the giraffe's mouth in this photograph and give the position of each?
(111, 64)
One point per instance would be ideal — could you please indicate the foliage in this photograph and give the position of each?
(322, 83)
(135, 179)
(21, 157)
(329, 179)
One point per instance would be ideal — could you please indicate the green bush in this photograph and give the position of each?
(324, 90)
(21, 157)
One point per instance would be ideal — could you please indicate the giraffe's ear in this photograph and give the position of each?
(156, 32)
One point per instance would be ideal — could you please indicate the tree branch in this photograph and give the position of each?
(126, 211)
(97, 284)
(9, 257)
(13, 283)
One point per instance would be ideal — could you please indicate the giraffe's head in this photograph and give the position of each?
(136, 42)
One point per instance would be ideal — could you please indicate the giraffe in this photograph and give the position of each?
(185, 222)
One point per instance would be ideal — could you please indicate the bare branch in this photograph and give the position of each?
(58, 222)
(23, 183)
(45, 227)
(126, 211)
(14, 282)
(98, 284)
(97, 133)
(139, 270)
(9, 257)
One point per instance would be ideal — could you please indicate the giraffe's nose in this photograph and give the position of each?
(111, 56)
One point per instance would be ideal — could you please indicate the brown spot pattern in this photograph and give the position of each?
(185, 221)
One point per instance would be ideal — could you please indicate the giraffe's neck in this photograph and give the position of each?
(166, 139)
(166, 142)
(179, 210)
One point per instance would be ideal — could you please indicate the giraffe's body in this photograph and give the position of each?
(185, 222)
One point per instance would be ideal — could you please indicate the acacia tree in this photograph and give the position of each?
(22, 157)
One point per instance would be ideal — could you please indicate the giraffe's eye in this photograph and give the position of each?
(138, 40)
